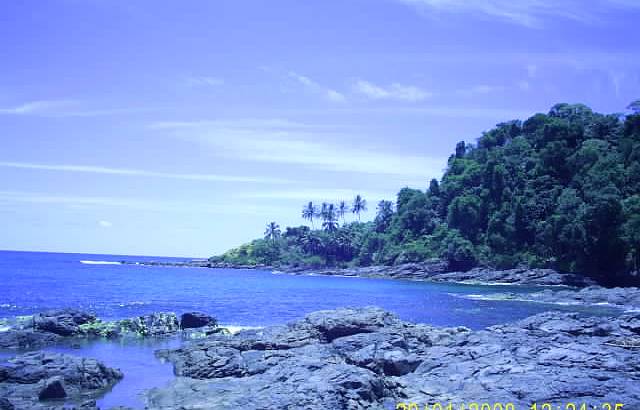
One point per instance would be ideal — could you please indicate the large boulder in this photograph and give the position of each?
(63, 322)
(193, 320)
(333, 324)
(41, 376)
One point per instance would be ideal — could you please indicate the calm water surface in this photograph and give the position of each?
(33, 282)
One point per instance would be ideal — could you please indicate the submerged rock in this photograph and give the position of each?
(370, 359)
(31, 380)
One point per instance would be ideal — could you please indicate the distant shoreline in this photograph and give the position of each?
(431, 271)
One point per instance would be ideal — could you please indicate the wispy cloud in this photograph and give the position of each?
(134, 204)
(203, 81)
(311, 85)
(480, 89)
(307, 147)
(65, 108)
(328, 195)
(528, 13)
(38, 107)
(395, 91)
(91, 169)
(105, 224)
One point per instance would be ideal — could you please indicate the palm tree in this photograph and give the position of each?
(359, 205)
(272, 232)
(309, 212)
(343, 208)
(330, 223)
(322, 212)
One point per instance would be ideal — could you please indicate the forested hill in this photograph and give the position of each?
(558, 190)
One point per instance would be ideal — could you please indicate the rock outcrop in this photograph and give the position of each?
(624, 298)
(437, 271)
(194, 320)
(47, 328)
(370, 359)
(64, 322)
(36, 380)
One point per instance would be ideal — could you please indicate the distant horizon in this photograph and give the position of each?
(163, 129)
(104, 254)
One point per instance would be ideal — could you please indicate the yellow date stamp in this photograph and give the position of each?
(509, 406)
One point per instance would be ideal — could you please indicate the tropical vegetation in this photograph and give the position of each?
(559, 190)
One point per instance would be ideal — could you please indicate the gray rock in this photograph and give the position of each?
(5, 404)
(369, 359)
(63, 322)
(191, 320)
(26, 339)
(626, 298)
(53, 389)
(35, 376)
(438, 271)
(155, 324)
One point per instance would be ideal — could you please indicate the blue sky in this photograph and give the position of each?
(182, 128)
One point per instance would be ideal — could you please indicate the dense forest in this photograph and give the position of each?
(558, 190)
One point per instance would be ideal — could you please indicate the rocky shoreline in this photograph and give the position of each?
(362, 358)
(44, 380)
(434, 270)
(623, 298)
(437, 271)
(369, 359)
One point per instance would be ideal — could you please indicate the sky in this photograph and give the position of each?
(176, 128)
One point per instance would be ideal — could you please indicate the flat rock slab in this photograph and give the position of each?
(369, 359)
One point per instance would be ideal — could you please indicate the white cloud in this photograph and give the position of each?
(304, 146)
(523, 85)
(395, 91)
(105, 224)
(91, 169)
(204, 81)
(335, 96)
(532, 70)
(327, 93)
(528, 13)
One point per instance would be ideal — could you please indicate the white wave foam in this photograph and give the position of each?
(235, 329)
(133, 303)
(100, 263)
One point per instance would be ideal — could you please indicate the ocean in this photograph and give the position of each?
(33, 282)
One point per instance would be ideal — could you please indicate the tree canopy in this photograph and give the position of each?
(559, 190)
